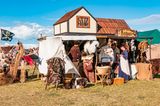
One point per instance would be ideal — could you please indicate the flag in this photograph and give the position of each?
(6, 35)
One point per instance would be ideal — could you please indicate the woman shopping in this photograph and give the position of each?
(124, 70)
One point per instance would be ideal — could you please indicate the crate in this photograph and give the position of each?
(118, 81)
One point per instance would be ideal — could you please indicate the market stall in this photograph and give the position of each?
(111, 34)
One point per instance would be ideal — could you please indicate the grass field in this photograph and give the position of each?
(32, 93)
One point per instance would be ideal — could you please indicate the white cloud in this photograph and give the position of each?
(29, 30)
(145, 23)
(152, 19)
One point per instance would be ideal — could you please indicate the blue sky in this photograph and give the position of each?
(29, 18)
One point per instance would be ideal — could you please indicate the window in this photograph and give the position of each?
(83, 22)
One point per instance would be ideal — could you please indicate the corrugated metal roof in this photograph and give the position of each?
(110, 26)
(68, 15)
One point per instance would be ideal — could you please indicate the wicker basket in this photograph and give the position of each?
(103, 70)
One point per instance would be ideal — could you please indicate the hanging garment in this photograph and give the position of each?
(75, 52)
(56, 70)
(88, 68)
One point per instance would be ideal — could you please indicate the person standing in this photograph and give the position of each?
(124, 70)
(75, 53)
(115, 64)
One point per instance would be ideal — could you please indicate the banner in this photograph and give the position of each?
(6, 35)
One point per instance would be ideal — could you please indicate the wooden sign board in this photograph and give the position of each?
(83, 22)
(127, 33)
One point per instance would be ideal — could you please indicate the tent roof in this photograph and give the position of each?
(148, 34)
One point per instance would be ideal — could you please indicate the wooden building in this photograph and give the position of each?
(81, 22)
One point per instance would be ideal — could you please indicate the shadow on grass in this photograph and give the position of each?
(90, 85)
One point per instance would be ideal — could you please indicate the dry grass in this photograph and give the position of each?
(32, 93)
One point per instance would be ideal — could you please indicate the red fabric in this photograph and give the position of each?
(88, 65)
(28, 60)
(87, 70)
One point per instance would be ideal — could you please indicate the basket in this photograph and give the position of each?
(103, 70)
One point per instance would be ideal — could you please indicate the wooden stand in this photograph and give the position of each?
(103, 73)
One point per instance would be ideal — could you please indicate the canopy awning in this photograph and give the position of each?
(114, 37)
(78, 37)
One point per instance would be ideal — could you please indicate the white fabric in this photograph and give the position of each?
(110, 52)
(154, 53)
(124, 65)
(133, 71)
(78, 37)
(107, 51)
(47, 48)
(89, 57)
(133, 47)
(90, 47)
(53, 47)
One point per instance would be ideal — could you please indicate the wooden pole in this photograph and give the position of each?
(150, 49)
(95, 68)
(23, 73)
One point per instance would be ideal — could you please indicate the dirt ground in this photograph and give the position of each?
(32, 93)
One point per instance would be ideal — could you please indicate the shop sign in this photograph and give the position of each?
(83, 22)
(127, 33)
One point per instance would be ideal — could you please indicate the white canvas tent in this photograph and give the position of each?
(53, 47)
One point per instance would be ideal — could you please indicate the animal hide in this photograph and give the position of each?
(56, 70)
